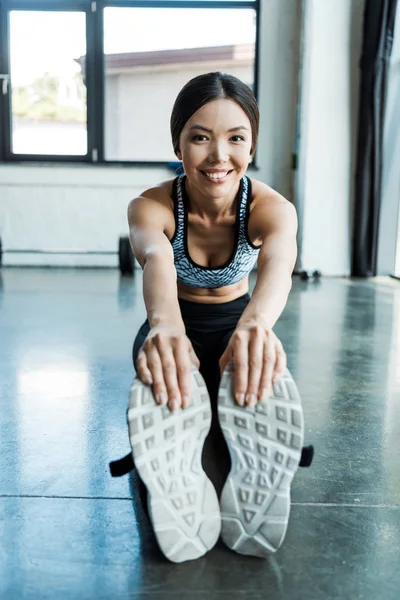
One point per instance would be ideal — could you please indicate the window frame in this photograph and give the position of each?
(94, 71)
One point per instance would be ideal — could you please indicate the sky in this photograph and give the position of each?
(49, 41)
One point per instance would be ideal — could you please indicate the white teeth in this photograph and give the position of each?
(217, 175)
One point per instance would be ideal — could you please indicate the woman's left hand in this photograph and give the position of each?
(259, 360)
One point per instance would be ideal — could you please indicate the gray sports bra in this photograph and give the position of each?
(244, 253)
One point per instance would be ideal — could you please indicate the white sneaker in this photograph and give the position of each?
(167, 448)
(265, 444)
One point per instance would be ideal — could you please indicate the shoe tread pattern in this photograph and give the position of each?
(265, 445)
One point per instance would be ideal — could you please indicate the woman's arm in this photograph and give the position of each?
(257, 353)
(278, 229)
(153, 251)
(164, 360)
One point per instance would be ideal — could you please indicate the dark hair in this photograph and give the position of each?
(208, 87)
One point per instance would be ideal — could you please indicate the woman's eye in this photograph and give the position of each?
(199, 138)
(237, 138)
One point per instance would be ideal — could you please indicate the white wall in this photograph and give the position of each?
(84, 207)
(329, 132)
(72, 208)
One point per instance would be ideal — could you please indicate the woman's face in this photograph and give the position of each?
(215, 146)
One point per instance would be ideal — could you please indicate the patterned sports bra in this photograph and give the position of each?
(244, 253)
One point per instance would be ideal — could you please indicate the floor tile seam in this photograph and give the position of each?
(130, 499)
(347, 505)
(199, 593)
(54, 497)
(195, 591)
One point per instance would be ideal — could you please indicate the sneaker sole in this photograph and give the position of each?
(265, 444)
(167, 448)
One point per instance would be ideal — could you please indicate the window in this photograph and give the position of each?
(47, 89)
(96, 81)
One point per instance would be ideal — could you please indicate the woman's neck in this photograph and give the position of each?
(211, 208)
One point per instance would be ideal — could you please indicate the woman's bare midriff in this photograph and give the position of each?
(214, 296)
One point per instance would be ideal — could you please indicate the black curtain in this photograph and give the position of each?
(378, 31)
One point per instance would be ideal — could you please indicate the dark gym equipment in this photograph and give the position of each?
(126, 259)
(306, 275)
(125, 256)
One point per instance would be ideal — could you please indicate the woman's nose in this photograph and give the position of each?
(219, 151)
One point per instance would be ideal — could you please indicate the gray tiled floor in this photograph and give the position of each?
(69, 531)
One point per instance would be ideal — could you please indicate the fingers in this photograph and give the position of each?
(193, 357)
(256, 364)
(281, 362)
(240, 354)
(259, 361)
(224, 360)
(164, 361)
(155, 366)
(183, 370)
(274, 365)
(269, 360)
(142, 369)
(169, 371)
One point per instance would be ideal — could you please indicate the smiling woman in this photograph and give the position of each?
(197, 238)
(214, 129)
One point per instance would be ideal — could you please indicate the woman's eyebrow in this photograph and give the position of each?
(238, 128)
(200, 127)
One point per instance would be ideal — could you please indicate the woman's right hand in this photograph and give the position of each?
(164, 361)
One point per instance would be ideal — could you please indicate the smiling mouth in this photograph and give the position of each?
(216, 176)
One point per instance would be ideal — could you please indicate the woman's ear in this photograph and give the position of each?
(179, 154)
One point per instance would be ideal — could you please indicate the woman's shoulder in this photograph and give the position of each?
(268, 209)
(263, 194)
(154, 205)
(162, 192)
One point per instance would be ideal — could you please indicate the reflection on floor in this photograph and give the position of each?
(68, 531)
